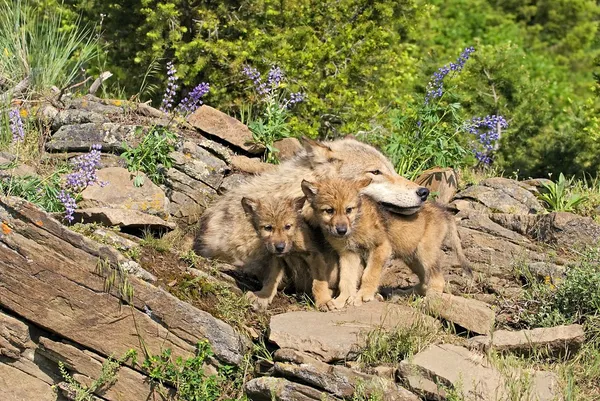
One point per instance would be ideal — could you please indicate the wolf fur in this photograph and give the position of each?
(287, 239)
(226, 233)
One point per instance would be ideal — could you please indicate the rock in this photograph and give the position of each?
(200, 165)
(81, 137)
(120, 193)
(219, 125)
(53, 278)
(288, 148)
(278, 389)
(556, 340)
(220, 151)
(97, 105)
(19, 170)
(338, 335)
(113, 239)
(473, 315)
(75, 116)
(46, 113)
(230, 182)
(189, 197)
(336, 380)
(14, 336)
(537, 183)
(131, 385)
(132, 219)
(472, 375)
(250, 165)
(16, 385)
(440, 181)
(149, 111)
(503, 195)
(487, 223)
(566, 230)
(544, 270)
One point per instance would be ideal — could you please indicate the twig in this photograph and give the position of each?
(96, 85)
(16, 91)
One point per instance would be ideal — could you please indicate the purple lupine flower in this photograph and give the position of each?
(171, 90)
(435, 87)
(194, 99)
(69, 203)
(295, 98)
(16, 125)
(253, 74)
(275, 77)
(84, 173)
(487, 131)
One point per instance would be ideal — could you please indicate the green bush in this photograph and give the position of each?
(558, 196)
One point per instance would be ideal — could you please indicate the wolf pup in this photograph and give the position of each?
(353, 226)
(286, 238)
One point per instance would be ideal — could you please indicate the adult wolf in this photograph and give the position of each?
(227, 234)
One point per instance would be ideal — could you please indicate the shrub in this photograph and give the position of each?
(559, 198)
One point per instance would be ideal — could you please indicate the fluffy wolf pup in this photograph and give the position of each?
(352, 225)
(224, 232)
(357, 226)
(286, 238)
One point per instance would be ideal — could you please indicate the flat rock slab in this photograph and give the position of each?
(339, 335)
(75, 116)
(503, 195)
(472, 376)
(556, 340)
(120, 193)
(251, 165)
(339, 381)
(81, 137)
(471, 314)
(279, 389)
(16, 385)
(200, 164)
(218, 124)
(567, 230)
(121, 218)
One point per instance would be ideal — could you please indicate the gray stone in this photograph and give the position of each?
(121, 193)
(566, 230)
(81, 137)
(16, 385)
(14, 336)
(503, 195)
(473, 376)
(200, 165)
(278, 389)
(473, 315)
(75, 116)
(121, 218)
(217, 124)
(97, 105)
(557, 341)
(339, 335)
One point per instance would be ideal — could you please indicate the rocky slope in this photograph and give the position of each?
(79, 299)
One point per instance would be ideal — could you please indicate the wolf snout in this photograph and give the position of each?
(341, 229)
(423, 193)
(280, 247)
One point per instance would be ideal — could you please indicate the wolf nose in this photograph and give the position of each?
(341, 230)
(280, 247)
(423, 193)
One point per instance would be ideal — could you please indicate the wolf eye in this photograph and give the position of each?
(268, 228)
(288, 226)
(375, 172)
(349, 210)
(328, 210)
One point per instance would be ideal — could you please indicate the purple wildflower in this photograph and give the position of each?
(295, 98)
(435, 87)
(16, 125)
(254, 75)
(69, 203)
(487, 131)
(275, 77)
(167, 101)
(194, 99)
(84, 173)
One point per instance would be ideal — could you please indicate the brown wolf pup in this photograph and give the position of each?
(352, 225)
(227, 235)
(357, 226)
(286, 238)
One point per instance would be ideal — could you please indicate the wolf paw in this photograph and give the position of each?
(258, 303)
(337, 303)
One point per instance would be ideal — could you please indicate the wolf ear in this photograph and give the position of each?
(298, 203)
(364, 182)
(317, 152)
(249, 205)
(309, 189)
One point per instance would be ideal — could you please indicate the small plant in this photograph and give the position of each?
(272, 112)
(110, 368)
(431, 133)
(188, 376)
(382, 346)
(151, 156)
(559, 198)
(43, 192)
